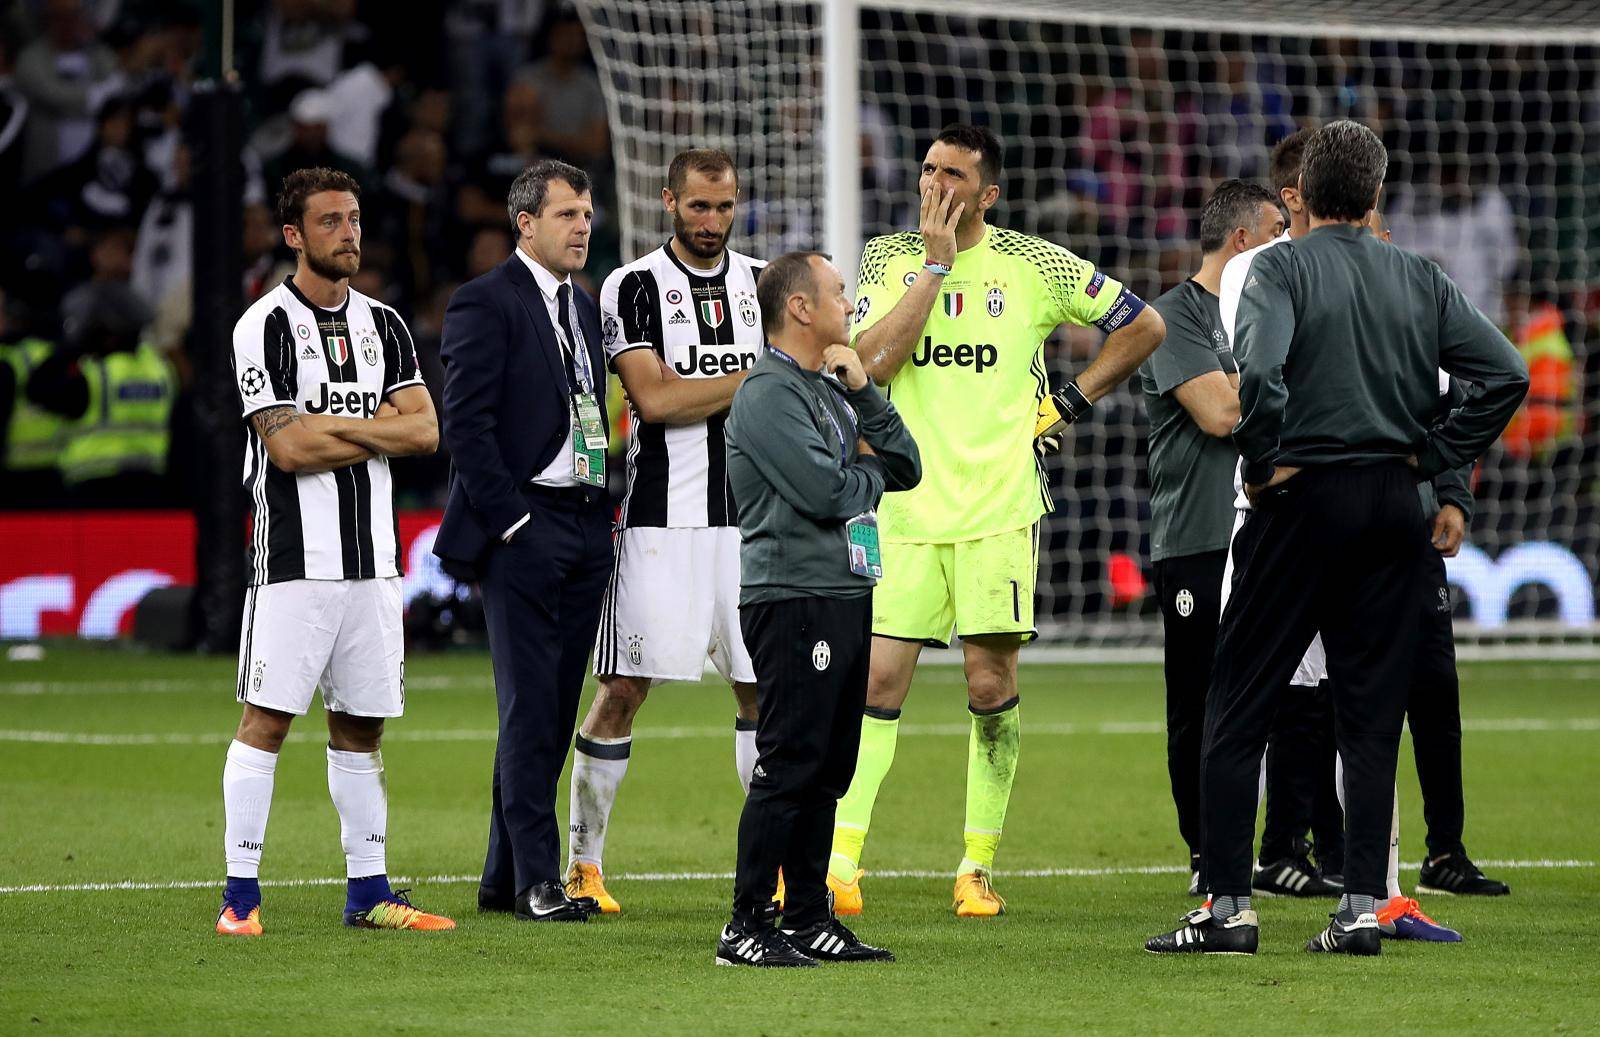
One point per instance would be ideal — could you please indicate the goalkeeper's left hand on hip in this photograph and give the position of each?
(1056, 411)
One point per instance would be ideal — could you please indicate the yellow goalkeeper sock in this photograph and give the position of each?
(992, 751)
(879, 730)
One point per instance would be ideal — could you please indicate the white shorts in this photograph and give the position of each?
(672, 604)
(344, 635)
(1313, 668)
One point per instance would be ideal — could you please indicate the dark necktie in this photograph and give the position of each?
(575, 345)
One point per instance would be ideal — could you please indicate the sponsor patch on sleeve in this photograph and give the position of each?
(1092, 289)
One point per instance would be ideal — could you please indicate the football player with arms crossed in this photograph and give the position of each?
(681, 327)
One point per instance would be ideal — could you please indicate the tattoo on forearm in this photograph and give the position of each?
(268, 423)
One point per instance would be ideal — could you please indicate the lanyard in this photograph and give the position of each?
(575, 383)
(827, 412)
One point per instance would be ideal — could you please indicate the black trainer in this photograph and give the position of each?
(760, 945)
(1292, 877)
(832, 941)
(1202, 933)
(1360, 936)
(1454, 873)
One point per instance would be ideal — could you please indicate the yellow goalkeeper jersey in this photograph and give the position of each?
(971, 388)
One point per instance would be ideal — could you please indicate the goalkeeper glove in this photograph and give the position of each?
(1060, 409)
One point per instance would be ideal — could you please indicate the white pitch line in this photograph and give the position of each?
(1131, 727)
(711, 876)
(934, 671)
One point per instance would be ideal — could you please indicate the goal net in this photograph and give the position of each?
(1117, 125)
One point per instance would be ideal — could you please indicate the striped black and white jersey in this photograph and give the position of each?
(338, 525)
(703, 324)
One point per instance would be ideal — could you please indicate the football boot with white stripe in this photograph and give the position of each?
(1292, 877)
(761, 946)
(1359, 936)
(832, 941)
(1454, 873)
(1204, 933)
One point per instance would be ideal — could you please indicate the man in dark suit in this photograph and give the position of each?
(524, 417)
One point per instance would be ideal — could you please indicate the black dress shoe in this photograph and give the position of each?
(548, 902)
(495, 903)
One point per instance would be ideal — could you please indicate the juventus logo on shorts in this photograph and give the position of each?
(821, 655)
(1185, 603)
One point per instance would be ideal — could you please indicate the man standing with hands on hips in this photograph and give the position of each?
(811, 447)
(528, 517)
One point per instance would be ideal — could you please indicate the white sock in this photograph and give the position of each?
(744, 751)
(361, 796)
(1393, 879)
(246, 800)
(598, 765)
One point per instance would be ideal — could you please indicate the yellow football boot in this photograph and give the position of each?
(583, 880)
(975, 896)
(846, 895)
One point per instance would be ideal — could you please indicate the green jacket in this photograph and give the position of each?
(35, 435)
(125, 427)
(798, 477)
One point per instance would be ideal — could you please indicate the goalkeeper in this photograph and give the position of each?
(953, 320)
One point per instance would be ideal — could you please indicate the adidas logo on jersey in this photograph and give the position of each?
(308, 352)
(978, 357)
(678, 318)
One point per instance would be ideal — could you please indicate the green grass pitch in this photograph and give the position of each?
(110, 767)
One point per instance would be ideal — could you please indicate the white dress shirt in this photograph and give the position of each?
(559, 471)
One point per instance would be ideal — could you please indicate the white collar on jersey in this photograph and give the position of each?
(548, 284)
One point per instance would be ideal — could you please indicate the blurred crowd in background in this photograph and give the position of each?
(1116, 137)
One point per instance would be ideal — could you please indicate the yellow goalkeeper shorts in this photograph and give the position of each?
(970, 587)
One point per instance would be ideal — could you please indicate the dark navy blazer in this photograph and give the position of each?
(505, 403)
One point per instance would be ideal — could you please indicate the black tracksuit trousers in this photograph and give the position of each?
(810, 657)
(1338, 549)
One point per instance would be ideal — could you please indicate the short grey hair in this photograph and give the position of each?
(532, 186)
(1343, 167)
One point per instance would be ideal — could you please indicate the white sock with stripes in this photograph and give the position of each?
(598, 765)
(246, 800)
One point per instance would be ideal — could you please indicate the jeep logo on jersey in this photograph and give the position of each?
(353, 402)
(338, 349)
(712, 311)
(953, 304)
(710, 361)
(978, 357)
(997, 302)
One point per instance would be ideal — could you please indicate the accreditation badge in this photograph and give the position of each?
(588, 462)
(866, 558)
(592, 428)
